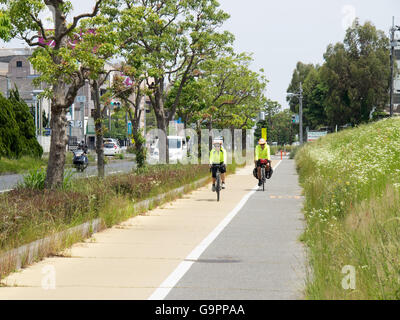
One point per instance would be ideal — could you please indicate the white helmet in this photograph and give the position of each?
(217, 141)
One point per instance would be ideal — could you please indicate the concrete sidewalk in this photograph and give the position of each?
(131, 260)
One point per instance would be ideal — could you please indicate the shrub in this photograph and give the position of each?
(17, 133)
(35, 179)
(120, 156)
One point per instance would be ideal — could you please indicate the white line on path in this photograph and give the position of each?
(184, 266)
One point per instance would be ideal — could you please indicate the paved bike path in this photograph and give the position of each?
(257, 255)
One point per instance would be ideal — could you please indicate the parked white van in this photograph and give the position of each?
(177, 147)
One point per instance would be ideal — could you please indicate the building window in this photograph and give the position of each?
(396, 98)
(19, 64)
(397, 54)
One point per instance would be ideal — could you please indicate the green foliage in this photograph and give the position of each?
(17, 131)
(233, 94)
(34, 179)
(120, 156)
(68, 182)
(169, 39)
(279, 128)
(352, 191)
(352, 81)
(140, 149)
(118, 125)
(29, 143)
(20, 165)
(299, 76)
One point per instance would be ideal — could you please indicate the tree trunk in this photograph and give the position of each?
(233, 139)
(162, 124)
(244, 142)
(210, 138)
(98, 117)
(55, 168)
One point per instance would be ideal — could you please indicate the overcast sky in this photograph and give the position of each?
(282, 32)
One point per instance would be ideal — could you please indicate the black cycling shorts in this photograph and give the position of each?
(221, 169)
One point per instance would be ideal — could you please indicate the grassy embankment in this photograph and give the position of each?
(25, 164)
(351, 183)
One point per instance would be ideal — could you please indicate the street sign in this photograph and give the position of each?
(295, 119)
(315, 135)
(129, 128)
(78, 124)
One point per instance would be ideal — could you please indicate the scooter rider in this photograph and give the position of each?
(83, 146)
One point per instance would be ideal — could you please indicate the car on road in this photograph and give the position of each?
(111, 140)
(111, 149)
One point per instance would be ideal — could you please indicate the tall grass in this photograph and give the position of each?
(23, 164)
(29, 213)
(351, 184)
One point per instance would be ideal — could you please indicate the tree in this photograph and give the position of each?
(131, 88)
(191, 104)
(299, 76)
(279, 128)
(357, 74)
(100, 44)
(17, 130)
(233, 93)
(63, 68)
(315, 93)
(171, 38)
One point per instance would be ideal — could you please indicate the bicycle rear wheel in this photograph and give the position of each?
(263, 178)
(218, 185)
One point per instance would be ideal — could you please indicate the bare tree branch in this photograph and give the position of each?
(82, 16)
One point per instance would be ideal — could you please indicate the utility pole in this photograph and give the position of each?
(393, 43)
(301, 113)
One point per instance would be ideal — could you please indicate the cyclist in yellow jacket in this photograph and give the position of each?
(262, 153)
(218, 157)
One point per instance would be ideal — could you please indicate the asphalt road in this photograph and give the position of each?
(8, 182)
(257, 255)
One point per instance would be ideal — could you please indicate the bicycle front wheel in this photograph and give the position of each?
(263, 178)
(218, 186)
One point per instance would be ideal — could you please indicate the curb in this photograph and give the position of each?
(35, 251)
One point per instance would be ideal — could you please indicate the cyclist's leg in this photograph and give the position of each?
(214, 176)
(223, 171)
(259, 170)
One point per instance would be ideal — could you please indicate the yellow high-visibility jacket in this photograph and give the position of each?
(263, 154)
(216, 157)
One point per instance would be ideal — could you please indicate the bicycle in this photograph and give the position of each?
(263, 163)
(218, 185)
